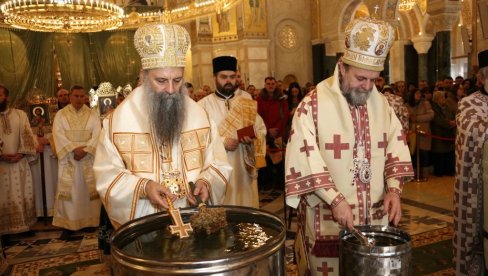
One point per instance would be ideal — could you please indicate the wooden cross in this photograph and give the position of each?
(337, 146)
(383, 144)
(181, 229)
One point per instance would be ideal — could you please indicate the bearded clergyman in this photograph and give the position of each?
(158, 140)
(17, 148)
(242, 129)
(470, 215)
(347, 157)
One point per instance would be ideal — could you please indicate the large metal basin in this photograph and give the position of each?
(390, 256)
(144, 247)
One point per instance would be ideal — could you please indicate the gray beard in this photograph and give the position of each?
(355, 96)
(166, 114)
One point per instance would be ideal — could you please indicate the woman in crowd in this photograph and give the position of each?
(421, 114)
(443, 128)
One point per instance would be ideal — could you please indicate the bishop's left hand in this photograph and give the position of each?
(392, 208)
(201, 190)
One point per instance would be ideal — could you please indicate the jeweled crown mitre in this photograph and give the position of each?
(162, 45)
(368, 41)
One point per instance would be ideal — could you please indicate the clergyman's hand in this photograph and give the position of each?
(201, 190)
(342, 214)
(231, 144)
(156, 193)
(246, 140)
(392, 207)
(79, 153)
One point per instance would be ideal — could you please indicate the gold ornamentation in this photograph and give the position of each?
(136, 151)
(79, 16)
(406, 5)
(367, 42)
(70, 16)
(171, 178)
(288, 37)
(162, 45)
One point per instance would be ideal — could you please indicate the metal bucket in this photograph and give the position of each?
(391, 254)
(145, 247)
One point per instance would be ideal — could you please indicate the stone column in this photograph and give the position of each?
(397, 61)
(318, 60)
(422, 44)
(334, 49)
(443, 14)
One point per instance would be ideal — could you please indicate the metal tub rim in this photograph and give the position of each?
(210, 265)
(378, 230)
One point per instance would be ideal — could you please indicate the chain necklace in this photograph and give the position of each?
(226, 98)
(171, 178)
(361, 163)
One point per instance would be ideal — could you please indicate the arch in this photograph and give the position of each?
(289, 79)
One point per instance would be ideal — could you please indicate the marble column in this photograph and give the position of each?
(334, 49)
(443, 57)
(397, 61)
(423, 67)
(318, 59)
(422, 44)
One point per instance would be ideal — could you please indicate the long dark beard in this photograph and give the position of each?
(354, 96)
(166, 114)
(227, 89)
(3, 105)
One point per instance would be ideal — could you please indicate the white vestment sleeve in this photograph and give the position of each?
(216, 169)
(117, 186)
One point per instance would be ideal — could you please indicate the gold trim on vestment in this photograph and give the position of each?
(135, 198)
(109, 189)
(219, 174)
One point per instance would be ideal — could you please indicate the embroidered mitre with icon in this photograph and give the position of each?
(367, 43)
(162, 45)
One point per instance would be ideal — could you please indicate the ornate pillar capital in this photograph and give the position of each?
(422, 43)
(443, 13)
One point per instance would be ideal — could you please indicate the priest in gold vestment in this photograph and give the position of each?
(347, 157)
(234, 111)
(158, 140)
(17, 148)
(75, 130)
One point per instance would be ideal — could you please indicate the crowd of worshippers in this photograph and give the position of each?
(428, 115)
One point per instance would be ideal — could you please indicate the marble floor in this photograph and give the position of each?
(426, 206)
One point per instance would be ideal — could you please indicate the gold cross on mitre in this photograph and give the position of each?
(179, 228)
(375, 15)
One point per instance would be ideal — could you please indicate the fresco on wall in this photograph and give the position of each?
(224, 24)
(255, 16)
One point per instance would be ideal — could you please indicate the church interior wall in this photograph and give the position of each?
(290, 48)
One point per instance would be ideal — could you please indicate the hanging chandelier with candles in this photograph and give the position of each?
(406, 5)
(75, 16)
(70, 16)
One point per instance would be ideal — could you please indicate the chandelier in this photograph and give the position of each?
(69, 16)
(406, 5)
(75, 16)
(179, 11)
